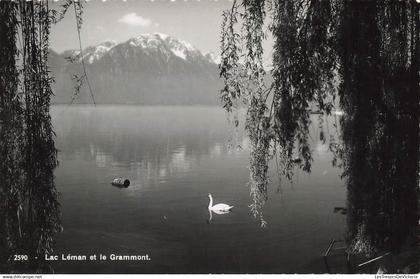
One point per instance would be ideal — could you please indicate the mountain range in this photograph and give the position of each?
(149, 69)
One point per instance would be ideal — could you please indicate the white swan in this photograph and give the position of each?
(219, 208)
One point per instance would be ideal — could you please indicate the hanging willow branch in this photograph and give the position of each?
(29, 210)
(30, 207)
(78, 11)
(278, 115)
(354, 50)
(79, 80)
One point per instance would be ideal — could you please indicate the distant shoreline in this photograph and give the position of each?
(334, 112)
(138, 104)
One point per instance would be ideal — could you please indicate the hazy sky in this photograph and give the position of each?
(196, 21)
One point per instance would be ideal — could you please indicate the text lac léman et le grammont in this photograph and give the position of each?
(100, 257)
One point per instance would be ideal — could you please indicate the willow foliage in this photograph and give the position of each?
(30, 212)
(278, 114)
(362, 55)
(379, 94)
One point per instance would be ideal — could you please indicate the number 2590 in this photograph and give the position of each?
(21, 257)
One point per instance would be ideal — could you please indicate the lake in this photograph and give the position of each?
(174, 157)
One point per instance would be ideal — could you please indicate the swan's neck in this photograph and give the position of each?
(211, 201)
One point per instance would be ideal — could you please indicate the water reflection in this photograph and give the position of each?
(153, 156)
(218, 212)
(174, 157)
(156, 148)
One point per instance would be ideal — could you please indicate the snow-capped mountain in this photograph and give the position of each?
(168, 45)
(150, 69)
(213, 58)
(93, 54)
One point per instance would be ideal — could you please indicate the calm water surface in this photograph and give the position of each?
(174, 157)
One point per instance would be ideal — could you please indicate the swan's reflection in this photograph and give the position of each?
(218, 212)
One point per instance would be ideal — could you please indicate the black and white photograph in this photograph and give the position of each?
(209, 137)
